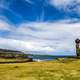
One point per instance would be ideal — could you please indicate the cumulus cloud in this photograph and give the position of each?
(22, 45)
(48, 31)
(55, 37)
(67, 5)
(59, 36)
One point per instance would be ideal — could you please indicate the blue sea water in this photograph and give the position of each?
(45, 57)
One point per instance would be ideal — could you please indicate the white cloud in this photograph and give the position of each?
(4, 25)
(29, 1)
(56, 37)
(48, 30)
(42, 36)
(67, 5)
(21, 45)
(61, 2)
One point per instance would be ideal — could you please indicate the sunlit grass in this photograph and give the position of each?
(2, 60)
(48, 70)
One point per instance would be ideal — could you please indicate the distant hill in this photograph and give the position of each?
(5, 53)
(7, 50)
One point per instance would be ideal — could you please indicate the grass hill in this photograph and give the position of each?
(13, 56)
(5, 53)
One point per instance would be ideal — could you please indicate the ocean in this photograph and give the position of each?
(46, 57)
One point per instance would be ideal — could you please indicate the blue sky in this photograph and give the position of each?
(48, 26)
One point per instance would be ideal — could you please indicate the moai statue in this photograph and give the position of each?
(77, 41)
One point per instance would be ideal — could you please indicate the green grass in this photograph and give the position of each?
(2, 60)
(60, 69)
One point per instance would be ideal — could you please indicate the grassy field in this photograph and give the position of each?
(2, 60)
(49, 70)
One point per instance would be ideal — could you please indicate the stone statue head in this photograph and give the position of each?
(77, 40)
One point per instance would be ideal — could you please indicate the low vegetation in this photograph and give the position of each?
(10, 56)
(4, 53)
(15, 60)
(60, 69)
